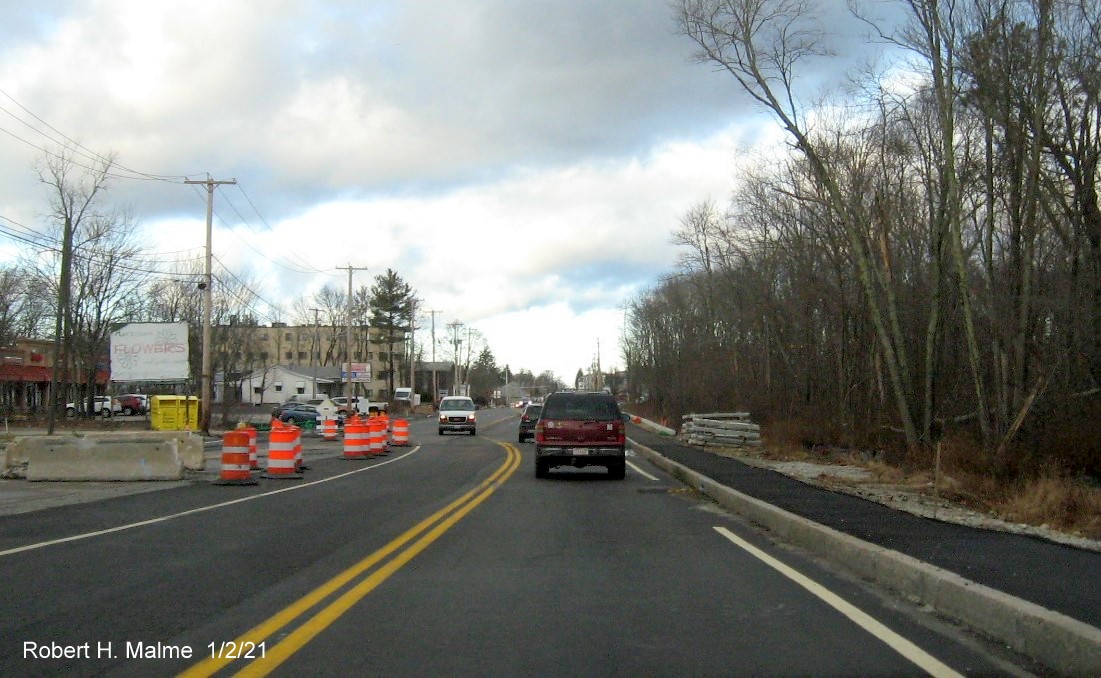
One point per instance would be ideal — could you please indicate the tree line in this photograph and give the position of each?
(926, 258)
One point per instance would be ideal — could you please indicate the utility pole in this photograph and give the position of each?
(435, 384)
(466, 365)
(456, 343)
(348, 334)
(317, 340)
(208, 283)
(599, 381)
(412, 350)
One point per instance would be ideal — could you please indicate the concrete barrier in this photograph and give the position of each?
(188, 447)
(1058, 641)
(92, 458)
(652, 426)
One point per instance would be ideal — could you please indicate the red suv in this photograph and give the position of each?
(580, 428)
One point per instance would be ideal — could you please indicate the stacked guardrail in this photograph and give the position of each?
(730, 429)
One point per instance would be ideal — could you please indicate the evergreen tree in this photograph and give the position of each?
(391, 305)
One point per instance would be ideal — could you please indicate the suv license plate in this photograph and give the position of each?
(581, 451)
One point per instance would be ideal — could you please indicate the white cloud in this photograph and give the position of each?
(520, 164)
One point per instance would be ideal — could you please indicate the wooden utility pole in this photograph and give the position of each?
(412, 350)
(317, 341)
(456, 343)
(435, 383)
(206, 400)
(348, 334)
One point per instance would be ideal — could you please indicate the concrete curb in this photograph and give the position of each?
(1056, 640)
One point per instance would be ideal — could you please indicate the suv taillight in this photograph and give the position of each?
(539, 431)
(620, 432)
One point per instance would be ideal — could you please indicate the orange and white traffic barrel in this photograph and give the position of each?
(401, 432)
(281, 464)
(328, 429)
(378, 437)
(299, 464)
(357, 440)
(253, 461)
(235, 465)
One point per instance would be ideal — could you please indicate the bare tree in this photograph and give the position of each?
(74, 192)
(761, 43)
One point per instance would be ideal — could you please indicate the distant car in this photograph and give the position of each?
(457, 413)
(301, 414)
(342, 405)
(278, 410)
(580, 429)
(102, 407)
(527, 421)
(130, 403)
(307, 398)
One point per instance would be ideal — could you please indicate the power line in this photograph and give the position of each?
(87, 152)
(311, 267)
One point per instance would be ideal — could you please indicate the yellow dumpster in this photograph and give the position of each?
(174, 413)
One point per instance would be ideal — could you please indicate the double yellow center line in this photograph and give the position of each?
(421, 535)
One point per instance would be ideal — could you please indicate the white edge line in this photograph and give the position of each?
(904, 647)
(640, 471)
(201, 509)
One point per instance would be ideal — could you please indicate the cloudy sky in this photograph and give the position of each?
(521, 163)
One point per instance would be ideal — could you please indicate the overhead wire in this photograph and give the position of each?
(48, 244)
(84, 150)
(311, 267)
(77, 151)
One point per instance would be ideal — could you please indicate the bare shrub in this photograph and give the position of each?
(1055, 500)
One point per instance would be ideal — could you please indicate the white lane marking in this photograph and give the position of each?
(201, 509)
(640, 471)
(896, 642)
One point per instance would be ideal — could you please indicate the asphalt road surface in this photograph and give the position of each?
(445, 557)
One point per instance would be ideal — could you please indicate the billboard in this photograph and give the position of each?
(149, 352)
(361, 373)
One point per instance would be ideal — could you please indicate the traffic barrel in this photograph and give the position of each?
(299, 464)
(328, 429)
(356, 440)
(253, 461)
(235, 464)
(281, 455)
(401, 432)
(377, 437)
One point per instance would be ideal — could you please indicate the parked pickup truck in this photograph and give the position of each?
(358, 405)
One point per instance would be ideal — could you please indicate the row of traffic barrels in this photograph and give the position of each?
(240, 459)
(363, 439)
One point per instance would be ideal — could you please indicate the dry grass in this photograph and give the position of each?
(1061, 503)
(969, 476)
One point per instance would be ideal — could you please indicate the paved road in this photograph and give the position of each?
(449, 558)
(1052, 575)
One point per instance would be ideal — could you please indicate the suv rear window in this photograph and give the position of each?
(581, 406)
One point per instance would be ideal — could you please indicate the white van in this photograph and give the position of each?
(457, 413)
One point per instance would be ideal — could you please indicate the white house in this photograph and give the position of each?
(276, 384)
